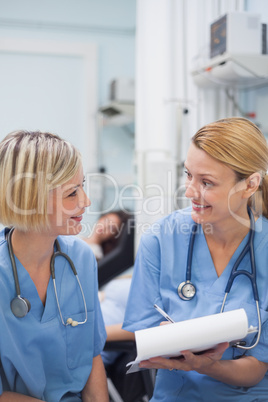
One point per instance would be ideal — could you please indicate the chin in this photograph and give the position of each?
(198, 218)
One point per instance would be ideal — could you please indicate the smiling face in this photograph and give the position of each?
(216, 194)
(67, 204)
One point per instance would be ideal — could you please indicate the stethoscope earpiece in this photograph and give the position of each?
(71, 322)
(20, 306)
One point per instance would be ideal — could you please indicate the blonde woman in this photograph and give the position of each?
(227, 184)
(52, 332)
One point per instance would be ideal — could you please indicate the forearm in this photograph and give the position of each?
(244, 372)
(96, 389)
(14, 397)
(116, 333)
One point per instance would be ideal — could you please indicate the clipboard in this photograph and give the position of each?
(196, 335)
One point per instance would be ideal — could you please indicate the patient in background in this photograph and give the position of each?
(113, 296)
(106, 232)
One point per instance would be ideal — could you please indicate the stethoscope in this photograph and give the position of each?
(187, 290)
(20, 306)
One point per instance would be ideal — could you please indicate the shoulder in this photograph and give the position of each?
(3, 232)
(5, 259)
(74, 246)
(261, 230)
(3, 245)
(81, 256)
(261, 226)
(262, 223)
(177, 224)
(97, 250)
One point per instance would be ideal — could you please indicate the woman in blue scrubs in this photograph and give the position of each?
(225, 171)
(52, 331)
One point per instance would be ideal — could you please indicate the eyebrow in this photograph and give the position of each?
(70, 189)
(202, 174)
(75, 186)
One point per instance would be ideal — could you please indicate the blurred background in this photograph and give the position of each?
(129, 82)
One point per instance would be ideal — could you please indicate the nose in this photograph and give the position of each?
(84, 201)
(192, 189)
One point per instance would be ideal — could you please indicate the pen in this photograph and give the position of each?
(162, 312)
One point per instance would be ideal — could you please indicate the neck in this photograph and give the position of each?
(228, 233)
(32, 248)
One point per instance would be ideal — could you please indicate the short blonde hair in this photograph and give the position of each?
(240, 145)
(32, 164)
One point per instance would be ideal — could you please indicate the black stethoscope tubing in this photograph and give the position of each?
(190, 253)
(249, 247)
(59, 253)
(19, 305)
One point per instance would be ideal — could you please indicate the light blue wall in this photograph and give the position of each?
(108, 23)
(111, 26)
(258, 6)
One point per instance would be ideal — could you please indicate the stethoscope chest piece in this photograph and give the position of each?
(20, 306)
(186, 290)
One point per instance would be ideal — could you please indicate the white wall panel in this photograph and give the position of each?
(50, 86)
(173, 36)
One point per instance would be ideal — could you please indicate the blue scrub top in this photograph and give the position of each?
(39, 356)
(159, 269)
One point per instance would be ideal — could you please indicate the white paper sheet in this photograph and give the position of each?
(196, 335)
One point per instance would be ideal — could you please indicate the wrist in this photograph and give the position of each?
(210, 369)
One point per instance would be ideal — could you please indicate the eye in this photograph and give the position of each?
(73, 194)
(188, 174)
(207, 183)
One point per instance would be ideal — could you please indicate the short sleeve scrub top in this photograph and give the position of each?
(39, 356)
(159, 269)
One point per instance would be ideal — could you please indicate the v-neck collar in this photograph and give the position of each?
(42, 313)
(202, 258)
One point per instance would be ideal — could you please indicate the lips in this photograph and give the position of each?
(77, 218)
(199, 207)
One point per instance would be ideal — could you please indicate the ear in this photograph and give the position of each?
(252, 184)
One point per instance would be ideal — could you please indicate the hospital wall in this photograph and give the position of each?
(170, 106)
(57, 61)
(257, 99)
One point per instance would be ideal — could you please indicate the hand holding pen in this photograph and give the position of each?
(164, 314)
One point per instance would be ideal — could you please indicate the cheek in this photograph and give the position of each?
(214, 198)
(207, 194)
(234, 193)
(68, 205)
